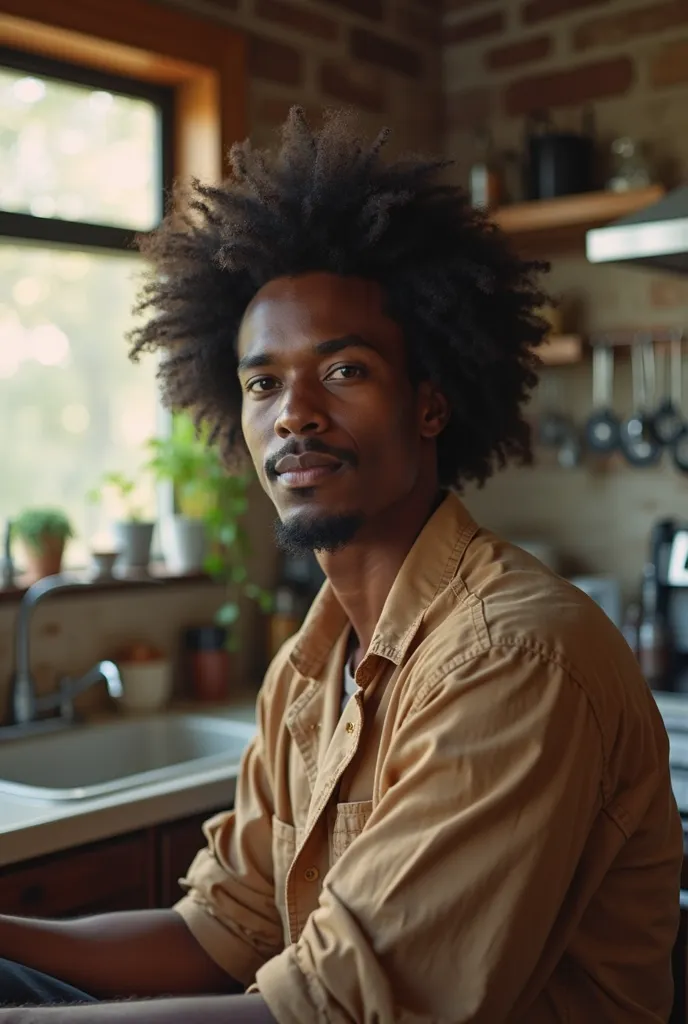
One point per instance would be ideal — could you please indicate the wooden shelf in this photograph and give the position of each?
(561, 350)
(552, 224)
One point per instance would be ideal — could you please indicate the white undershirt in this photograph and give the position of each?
(350, 684)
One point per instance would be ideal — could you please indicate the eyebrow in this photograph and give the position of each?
(323, 348)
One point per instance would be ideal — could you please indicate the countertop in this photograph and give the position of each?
(31, 829)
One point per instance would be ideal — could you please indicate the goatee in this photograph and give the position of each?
(303, 534)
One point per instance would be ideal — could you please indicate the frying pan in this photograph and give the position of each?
(668, 423)
(602, 426)
(638, 443)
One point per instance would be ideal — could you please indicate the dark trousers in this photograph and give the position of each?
(22, 986)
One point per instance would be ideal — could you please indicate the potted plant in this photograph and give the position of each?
(133, 534)
(212, 505)
(44, 533)
(184, 459)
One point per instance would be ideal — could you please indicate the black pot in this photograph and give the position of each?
(560, 164)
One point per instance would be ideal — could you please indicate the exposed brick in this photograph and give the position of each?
(670, 65)
(310, 23)
(541, 10)
(466, 110)
(226, 5)
(419, 24)
(385, 53)
(619, 28)
(357, 87)
(668, 293)
(476, 28)
(462, 5)
(274, 61)
(373, 9)
(514, 54)
(570, 87)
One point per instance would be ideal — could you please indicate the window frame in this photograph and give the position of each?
(85, 234)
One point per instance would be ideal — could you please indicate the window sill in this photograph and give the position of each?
(158, 577)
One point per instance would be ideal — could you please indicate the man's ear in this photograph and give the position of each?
(433, 409)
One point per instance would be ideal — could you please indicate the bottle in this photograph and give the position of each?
(653, 632)
(208, 663)
(485, 182)
(286, 617)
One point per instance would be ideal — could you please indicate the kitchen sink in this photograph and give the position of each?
(89, 761)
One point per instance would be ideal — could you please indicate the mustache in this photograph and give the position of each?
(294, 447)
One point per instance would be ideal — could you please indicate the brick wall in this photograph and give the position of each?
(629, 59)
(379, 56)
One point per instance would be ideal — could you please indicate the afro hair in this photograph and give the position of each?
(326, 201)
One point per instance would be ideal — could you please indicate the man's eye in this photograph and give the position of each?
(345, 372)
(259, 385)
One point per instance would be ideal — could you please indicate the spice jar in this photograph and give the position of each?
(207, 660)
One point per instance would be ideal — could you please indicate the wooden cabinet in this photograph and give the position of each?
(178, 844)
(136, 871)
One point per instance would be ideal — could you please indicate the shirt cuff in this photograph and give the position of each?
(286, 991)
(237, 958)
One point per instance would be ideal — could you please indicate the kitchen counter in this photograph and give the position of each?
(31, 828)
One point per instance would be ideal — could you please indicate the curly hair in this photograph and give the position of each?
(325, 201)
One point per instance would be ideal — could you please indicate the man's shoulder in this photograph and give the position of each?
(502, 600)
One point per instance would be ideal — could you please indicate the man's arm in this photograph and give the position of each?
(209, 1010)
(138, 953)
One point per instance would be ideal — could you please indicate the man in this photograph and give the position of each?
(458, 805)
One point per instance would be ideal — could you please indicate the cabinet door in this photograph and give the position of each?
(117, 874)
(178, 844)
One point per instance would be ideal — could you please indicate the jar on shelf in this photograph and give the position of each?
(207, 663)
(629, 167)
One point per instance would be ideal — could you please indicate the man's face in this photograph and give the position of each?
(336, 430)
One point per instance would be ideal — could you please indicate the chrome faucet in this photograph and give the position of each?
(26, 706)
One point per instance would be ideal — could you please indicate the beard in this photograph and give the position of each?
(303, 534)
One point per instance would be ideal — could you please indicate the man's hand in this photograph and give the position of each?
(195, 1010)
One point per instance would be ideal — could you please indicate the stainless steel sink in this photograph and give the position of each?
(96, 760)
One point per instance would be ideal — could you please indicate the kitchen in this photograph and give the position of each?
(595, 517)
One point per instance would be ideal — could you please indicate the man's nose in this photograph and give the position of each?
(301, 412)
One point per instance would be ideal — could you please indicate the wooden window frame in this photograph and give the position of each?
(203, 61)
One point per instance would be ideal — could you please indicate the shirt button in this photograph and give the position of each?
(311, 874)
(350, 727)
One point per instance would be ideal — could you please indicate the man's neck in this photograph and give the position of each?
(362, 574)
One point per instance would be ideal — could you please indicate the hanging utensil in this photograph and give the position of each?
(668, 423)
(570, 450)
(602, 426)
(552, 424)
(679, 449)
(638, 442)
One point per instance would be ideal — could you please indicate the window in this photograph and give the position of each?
(85, 164)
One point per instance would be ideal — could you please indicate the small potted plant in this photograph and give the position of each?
(43, 533)
(133, 534)
(212, 504)
(184, 459)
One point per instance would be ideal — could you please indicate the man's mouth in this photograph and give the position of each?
(307, 469)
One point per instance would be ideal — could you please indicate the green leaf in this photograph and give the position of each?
(238, 573)
(227, 614)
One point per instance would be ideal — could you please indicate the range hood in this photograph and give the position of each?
(656, 237)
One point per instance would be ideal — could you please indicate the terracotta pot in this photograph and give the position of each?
(45, 560)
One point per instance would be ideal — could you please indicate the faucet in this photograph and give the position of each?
(26, 706)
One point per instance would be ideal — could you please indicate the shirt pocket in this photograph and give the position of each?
(349, 822)
(284, 845)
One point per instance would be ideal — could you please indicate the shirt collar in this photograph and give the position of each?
(428, 568)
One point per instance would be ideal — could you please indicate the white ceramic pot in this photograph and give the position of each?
(184, 544)
(146, 685)
(133, 542)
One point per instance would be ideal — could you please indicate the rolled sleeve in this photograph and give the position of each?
(230, 902)
(444, 905)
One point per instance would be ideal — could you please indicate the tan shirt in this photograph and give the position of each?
(486, 834)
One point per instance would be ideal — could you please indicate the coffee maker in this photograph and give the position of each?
(669, 554)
